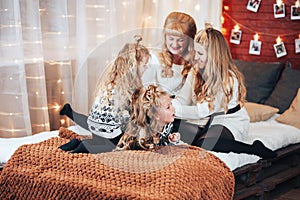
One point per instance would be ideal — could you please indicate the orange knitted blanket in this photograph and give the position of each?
(43, 171)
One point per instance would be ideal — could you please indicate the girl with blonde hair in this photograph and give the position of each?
(169, 67)
(151, 120)
(109, 114)
(215, 90)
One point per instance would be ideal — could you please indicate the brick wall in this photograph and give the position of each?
(266, 25)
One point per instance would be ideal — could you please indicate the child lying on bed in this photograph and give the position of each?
(109, 114)
(151, 117)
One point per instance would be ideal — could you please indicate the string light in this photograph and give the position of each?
(297, 3)
(254, 31)
(197, 7)
(278, 40)
(256, 37)
(279, 2)
(236, 27)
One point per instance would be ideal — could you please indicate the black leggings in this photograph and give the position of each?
(218, 138)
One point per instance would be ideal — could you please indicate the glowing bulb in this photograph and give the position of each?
(62, 121)
(297, 3)
(256, 37)
(222, 19)
(236, 27)
(56, 107)
(197, 7)
(226, 7)
(279, 2)
(278, 40)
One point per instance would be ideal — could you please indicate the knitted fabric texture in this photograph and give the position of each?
(68, 134)
(43, 171)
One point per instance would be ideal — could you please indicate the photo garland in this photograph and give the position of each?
(235, 36)
(255, 47)
(279, 10)
(295, 12)
(280, 50)
(253, 5)
(297, 45)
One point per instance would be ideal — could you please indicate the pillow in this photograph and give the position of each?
(285, 90)
(292, 115)
(260, 78)
(259, 112)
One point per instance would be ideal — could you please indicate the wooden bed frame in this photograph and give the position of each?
(267, 179)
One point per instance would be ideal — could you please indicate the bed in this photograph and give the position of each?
(274, 109)
(252, 176)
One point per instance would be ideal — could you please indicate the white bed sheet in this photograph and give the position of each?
(273, 134)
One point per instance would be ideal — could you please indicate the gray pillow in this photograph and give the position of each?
(285, 90)
(260, 78)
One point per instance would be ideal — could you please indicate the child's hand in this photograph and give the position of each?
(175, 137)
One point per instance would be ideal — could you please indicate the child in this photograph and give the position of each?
(150, 121)
(215, 89)
(109, 114)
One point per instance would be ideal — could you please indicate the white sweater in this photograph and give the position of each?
(152, 75)
(187, 108)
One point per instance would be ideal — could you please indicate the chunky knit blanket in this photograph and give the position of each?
(43, 171)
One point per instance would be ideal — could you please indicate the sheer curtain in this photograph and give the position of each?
(54, 51)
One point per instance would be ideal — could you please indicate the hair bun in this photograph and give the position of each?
(208, 25)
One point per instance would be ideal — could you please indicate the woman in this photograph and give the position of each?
(215, 89)
(169, 67)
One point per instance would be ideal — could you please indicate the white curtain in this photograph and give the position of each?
(54, 51)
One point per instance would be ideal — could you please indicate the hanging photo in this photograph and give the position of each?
(297, 45)
(235, 36)
(295, 12)
(255, 47)
(280, 50)
(253, 5)
(279, 10)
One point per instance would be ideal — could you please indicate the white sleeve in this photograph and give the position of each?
(184, 106)
(150, 74)
(185, 94)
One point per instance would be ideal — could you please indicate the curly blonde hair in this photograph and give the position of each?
(143, 129)
(219, 70)
(179, 24)
(122, 75)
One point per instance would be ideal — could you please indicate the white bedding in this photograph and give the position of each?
(272, 133)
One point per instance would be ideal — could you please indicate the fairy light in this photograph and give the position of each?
(62, 121)
(278, 40)
(56, 107)
(297, 3)
(222, 19)
(256, 37)
(226, 8)
(197, 7)
(236, 27)
(279, 2)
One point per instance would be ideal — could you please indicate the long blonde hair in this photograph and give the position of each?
(122, 77)
(143, 128)
(219, 70)
(178, 23)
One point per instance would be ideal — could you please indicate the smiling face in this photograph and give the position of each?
(200, 56)
(165, 113)
(176, 44)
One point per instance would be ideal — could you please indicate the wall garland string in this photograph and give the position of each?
(258, 32)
